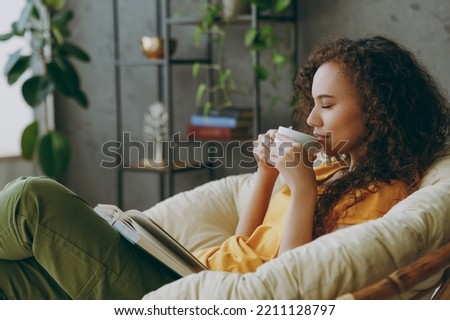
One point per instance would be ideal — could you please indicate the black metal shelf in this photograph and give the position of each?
(247, 18)
(159, 62)
(165, 22)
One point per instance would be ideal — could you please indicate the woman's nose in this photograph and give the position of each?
(314, 119)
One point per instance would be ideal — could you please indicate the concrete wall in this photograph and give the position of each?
(423, 26)
(14, 167)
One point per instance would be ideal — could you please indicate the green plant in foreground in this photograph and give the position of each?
(45, 25)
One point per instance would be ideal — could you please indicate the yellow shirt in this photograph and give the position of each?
(245, 254)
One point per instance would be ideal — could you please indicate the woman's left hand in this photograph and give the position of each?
(294, 164)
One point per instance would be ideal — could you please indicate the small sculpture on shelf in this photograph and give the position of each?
(153, 47)
(156, 129)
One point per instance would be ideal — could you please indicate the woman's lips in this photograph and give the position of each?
(320, 138)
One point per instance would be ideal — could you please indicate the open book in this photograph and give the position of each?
(142, 231)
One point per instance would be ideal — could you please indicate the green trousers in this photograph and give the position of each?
(54, 246)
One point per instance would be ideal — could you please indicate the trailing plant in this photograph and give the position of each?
(44, 24)
(256, 39)
(265, 38)
(224, 84)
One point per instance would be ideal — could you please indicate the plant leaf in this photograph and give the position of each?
(16, 66)
(54, 4)
(263, 39)
(64, 76)
(36, 89)
(70, 49)
(28, 141)
(57, 77)
(15, 29)
(279, 58)
(197, 34)
(69, 70)
(56, 32)
(60, 21)
(66, 79)
(62, 17)
(24, 16)
(35, 13)
(267, 35)
(54, 154)
(12, 61)
(195, 70)
(224, 76)
(281, 5)
(207, 107)
(200, 91)
(81, 98)
(261, 72)
(6, 36)
(250, 36)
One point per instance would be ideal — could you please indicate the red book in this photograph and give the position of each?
(217, 133)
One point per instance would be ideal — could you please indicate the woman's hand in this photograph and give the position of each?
(294, 164)
(258, 200)
(261, 152)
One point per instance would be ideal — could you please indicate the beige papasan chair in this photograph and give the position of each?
(343, 261)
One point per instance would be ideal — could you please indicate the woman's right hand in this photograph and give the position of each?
(261, 152)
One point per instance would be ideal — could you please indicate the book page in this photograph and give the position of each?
(131, 230)
(154, 229)
(147, 234)
(108, 212)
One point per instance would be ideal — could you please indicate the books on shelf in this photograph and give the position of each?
(142, 231)
(219, 121)
(221, 124)
(217, 133)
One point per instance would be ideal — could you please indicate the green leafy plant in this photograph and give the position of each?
(45, 24)
(256, 39)
(224, 83)
(265, 38)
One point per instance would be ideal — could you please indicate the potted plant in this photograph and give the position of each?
(256, 40)
(45, 24)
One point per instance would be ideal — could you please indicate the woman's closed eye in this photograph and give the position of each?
(325, 106)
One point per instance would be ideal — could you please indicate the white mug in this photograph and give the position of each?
(305, 140)
(308, 142)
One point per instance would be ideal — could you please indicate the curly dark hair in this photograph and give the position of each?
(406, 116)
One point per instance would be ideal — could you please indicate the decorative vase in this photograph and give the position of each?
(153, 47)
(158, 155)
(155, 130)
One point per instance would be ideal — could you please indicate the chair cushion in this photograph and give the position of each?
(205, 216)
(340, 262)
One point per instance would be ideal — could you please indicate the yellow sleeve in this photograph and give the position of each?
(246, 254)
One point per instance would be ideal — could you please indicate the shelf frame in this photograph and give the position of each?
(165, 22)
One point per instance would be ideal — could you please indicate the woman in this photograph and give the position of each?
(370, 104)
(374, 108)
